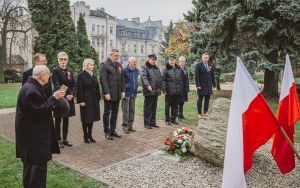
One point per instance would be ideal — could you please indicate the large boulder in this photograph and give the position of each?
(210, 136)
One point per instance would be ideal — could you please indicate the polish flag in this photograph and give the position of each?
(251, 124)
(288, 113)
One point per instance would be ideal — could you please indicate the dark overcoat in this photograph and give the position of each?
(185, 84)
(205, 79)
(35, 136)
(151, 76)
(112, 79)
(88, 91)
(171, 80)
(64, 77)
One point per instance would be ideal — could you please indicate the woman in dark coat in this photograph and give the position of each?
(35, 135)
(63, 76)
(185, 86)
(88, 97)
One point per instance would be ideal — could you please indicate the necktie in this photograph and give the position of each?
(206, 66)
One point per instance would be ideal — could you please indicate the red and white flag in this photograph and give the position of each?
(251, 124)
(288, 113)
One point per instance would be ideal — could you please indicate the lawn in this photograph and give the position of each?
(58, 175)
(9, 94)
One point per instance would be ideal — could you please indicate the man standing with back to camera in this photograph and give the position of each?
(205, 81)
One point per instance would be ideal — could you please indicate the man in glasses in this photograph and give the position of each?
(38, 59)
(113, 88)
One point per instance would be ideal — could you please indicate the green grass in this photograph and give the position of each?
(9, 94)
(58, 176)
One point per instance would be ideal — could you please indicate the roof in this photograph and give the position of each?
(139, 25)
(101, 13)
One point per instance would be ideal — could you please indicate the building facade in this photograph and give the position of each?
(138, 39)
(100, 27)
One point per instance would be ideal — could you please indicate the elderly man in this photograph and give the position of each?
(152, 86)
(131, 74)
(113, 88)
(35, 136)
(185, 86)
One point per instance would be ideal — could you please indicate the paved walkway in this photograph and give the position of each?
(87, 158)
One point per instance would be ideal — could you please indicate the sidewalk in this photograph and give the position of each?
(87, 158)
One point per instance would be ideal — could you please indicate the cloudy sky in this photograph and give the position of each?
(164, 10)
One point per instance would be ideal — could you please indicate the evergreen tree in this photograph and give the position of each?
(165, 43)
(259, 31)
(86, 50)
(56, 31)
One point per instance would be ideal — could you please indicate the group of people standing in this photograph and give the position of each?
(45, 95)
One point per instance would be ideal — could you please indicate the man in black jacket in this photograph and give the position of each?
(113, 88)
(152, 86)
(172, 88)
(205, 81)
(35, 135)
(38, 59)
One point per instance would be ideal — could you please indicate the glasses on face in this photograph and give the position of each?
(63, 59)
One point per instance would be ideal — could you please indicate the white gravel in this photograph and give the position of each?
(159, 170)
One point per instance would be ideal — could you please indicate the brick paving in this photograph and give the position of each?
(87, 158)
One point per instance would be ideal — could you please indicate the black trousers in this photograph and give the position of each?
(34, 175)
(65, 127)
(110, 116)
(200, 101)
(150, 105)
(87, 129)
(171, 103)
(180, 109)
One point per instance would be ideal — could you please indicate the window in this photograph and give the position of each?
(102, 29)
(142, 49)
(93, 28)
(98, 42)
(123, 47)
(135, 49)
(102, 55)
(93, 41)
(111, 30)
(102, 43)
(98, 29)
(111, 43)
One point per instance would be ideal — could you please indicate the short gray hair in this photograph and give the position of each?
(131, 58)
(62, 54)
(40, 70)
(86, 62)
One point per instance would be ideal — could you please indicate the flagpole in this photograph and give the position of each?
(289, 142)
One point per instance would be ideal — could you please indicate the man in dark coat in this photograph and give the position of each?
(205, 81)
(35, 136)
(88, 97)
(113, 88)
(152, 86)
(63, 76)
(38, 59)
(172, 88)
(185, 86)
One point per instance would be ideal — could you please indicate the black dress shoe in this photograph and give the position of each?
(148, 127)
(92, 139)
(67, 143)
(168, 123)
(175, 122)
(132, 129)
(115, 134)
(156, 126)
(60, 145)
(86, 140)
(109, 137)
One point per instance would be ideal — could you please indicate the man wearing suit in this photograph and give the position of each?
(38, 59)
(113, 88)
(205, 81)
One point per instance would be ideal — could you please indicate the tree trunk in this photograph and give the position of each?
(2, 57)
(218, 83)
(270, 84)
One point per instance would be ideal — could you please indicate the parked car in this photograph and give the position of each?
(12, 76)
